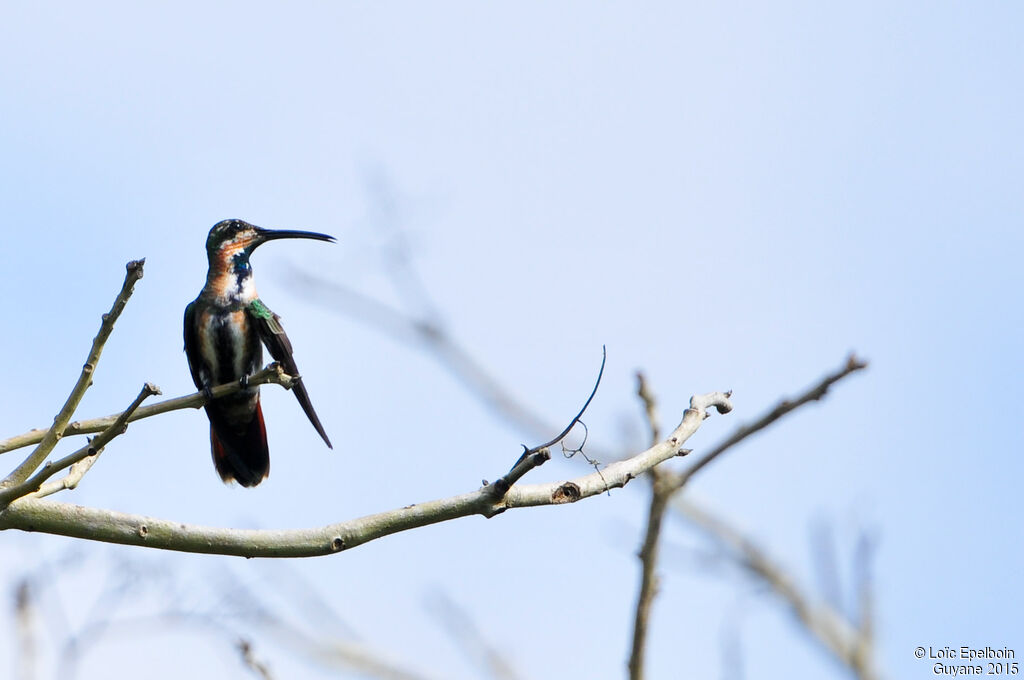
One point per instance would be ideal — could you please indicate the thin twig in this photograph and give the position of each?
(273, 373)
(69, 481)
(643, 390)
(46, 516)
(93, 448)
(258, 668)
(851, 365)
(56, 431)
(568, 428)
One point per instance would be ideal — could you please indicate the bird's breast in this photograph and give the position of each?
(229, 286)
(229, 344)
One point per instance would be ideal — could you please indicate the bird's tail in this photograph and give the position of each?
(241, 453)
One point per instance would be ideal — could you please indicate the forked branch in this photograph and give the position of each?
(49, 438)
(93, 448)
(666, 485)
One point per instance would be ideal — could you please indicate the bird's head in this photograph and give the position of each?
(231, 242)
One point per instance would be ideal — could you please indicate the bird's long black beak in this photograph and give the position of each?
(265, 235)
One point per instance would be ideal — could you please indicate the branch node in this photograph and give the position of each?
(282, 378)
(855, 364)
(569, 492)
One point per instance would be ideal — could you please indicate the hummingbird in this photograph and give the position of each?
(224, 327)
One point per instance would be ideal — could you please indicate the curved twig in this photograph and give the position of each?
(538, 455)
(562, 435)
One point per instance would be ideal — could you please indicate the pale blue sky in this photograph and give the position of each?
(728, 195)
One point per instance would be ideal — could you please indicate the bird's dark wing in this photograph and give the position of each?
(192, 344)
(268, 325)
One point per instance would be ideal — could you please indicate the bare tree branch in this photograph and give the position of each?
(665, 485)
(31, 514)
(56, 431)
